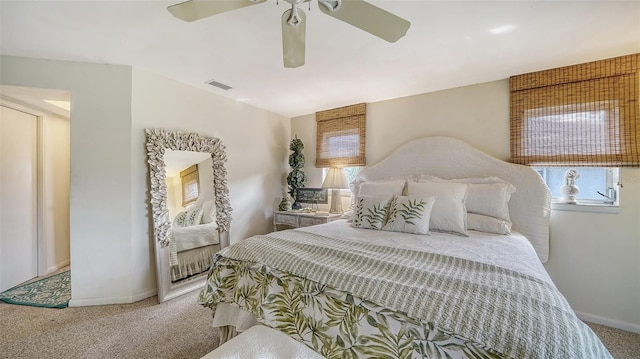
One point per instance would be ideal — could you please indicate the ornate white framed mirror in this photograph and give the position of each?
(191, 212)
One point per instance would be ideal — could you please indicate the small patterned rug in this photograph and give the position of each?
(50, 292)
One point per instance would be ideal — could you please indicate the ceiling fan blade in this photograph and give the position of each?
(193, 10)
(293, 37)
(367, 17)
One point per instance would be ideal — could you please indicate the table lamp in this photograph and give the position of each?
(336, 180)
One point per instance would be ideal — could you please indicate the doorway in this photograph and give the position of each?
(34, 184)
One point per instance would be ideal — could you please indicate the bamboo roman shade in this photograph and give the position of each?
(580, 115)
(190, 184)
(340, 137)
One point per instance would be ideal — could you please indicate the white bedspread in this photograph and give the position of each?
(508, 251)
(513, 251)
(485, 290)
(195, 236)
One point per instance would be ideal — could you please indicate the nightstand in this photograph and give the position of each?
(300, 219)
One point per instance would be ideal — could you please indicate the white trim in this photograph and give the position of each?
(591, 208)
(112, 300)
(58, 266)
(41, 190)
(629, 327)
(26, 107)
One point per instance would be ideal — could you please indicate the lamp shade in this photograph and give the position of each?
(335, 179)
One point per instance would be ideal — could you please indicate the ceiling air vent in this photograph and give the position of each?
(218, 85)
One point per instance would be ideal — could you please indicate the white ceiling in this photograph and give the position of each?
(449, 44)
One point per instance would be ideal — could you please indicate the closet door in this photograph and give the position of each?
(18, 198)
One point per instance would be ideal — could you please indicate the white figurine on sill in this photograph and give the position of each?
(569, 191)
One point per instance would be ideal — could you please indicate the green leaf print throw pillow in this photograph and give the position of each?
(371, 212)
(410, 214)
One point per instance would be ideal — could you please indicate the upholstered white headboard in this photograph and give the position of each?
(450, 158)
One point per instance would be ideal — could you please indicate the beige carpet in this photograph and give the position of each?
(178, 329)
(621, 344)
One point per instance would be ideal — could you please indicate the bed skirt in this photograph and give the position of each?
(232, 321)
(193, 261)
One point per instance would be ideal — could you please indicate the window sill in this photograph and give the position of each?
(591, 208)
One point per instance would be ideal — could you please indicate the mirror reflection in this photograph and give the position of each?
(196, 225)
(194, 238)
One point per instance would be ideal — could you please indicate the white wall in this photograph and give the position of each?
(56, 142)
(111, 246)
(100, 182)
(174, 196)
(256, 142)
(594, 258)
(205, 178)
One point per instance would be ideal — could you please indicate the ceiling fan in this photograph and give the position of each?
(358, 13)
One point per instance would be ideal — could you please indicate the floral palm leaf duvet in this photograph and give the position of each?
(347, 299)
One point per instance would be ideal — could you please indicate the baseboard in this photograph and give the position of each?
(58, 266)
(630, 327)
(112, 300)
(145, 295)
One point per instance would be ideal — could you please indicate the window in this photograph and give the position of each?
(342, 144)
(190, 180)
(585, 129)
(340, 137)
(351, 173)
(598, 185)
(582, 115)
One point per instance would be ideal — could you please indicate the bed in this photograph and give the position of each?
(193, 241)
(439, 255)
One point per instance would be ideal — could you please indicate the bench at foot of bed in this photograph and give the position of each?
(261, 342)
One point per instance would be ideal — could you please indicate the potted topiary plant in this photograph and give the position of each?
(296, 178)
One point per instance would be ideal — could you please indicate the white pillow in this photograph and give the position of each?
(409, 214)
(490, 199)
(188, 218)
(488, 196)
(348, 214)
(179, 219)
(382, 188)
(371, 212)
(208, 212)
(449, 213)
(478, 222)
(194, 216)
(373, 188)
